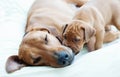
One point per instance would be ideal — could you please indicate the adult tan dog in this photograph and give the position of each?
(41, 44)
(91, 25)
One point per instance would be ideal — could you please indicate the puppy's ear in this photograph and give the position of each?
(64, 28)
(14, 63)
(89, 32)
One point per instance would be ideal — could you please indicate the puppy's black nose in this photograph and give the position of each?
(64, 58)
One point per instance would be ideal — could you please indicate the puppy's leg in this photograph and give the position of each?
(91, 44)
(116, 18)
(111, 36)
(99, 38)
(117, 23)
(107, 27)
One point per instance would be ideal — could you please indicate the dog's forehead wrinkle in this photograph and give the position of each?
(36, 47)
(34, 41)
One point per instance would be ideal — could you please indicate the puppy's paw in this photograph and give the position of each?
(117, 34)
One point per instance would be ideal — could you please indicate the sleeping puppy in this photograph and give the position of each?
(41, 44)
(91, 25)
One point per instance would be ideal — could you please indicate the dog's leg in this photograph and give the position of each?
(111, 36)
(99, 38)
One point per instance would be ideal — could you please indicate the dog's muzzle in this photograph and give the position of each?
(64, 58)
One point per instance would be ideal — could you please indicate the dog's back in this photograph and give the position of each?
(50, 13)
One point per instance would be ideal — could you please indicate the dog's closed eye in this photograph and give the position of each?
(36, 60)
(46, 39)
(65, 37)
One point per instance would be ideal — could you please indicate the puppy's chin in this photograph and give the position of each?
(77, 50)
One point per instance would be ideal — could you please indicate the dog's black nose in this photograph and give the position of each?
(64, 58)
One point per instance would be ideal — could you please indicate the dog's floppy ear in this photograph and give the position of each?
(89, 32)
(14, 63)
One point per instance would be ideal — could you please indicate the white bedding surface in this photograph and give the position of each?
(101, 63)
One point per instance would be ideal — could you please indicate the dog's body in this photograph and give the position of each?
(41, 44)
(91, 25)
(44, 31)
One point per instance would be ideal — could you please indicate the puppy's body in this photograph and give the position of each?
(99, 12)
(93, 18)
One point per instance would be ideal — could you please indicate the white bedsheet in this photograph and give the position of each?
(101, 63)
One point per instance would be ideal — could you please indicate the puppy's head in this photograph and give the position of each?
(76, 34)
(42, 49)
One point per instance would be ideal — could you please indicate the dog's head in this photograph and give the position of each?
(76, 34)
(40, 48)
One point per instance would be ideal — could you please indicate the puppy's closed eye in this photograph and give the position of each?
(76, 39)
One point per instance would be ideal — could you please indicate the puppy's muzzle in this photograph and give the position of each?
(64, 58)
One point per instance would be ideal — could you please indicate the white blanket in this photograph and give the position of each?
(104, 62)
